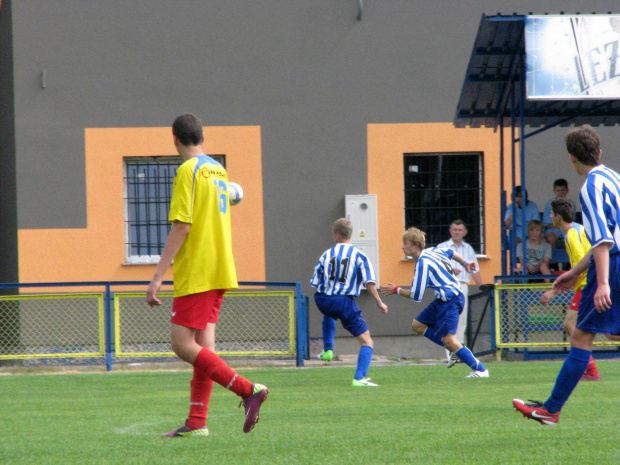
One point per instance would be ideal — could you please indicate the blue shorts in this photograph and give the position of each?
(443, 317)
(588, 319)
(343, 308)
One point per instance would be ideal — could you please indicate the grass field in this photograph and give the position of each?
(419, 415)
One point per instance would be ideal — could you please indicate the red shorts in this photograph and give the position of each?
(196, 310)
(574, 303)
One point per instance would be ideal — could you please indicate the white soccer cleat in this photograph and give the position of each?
(453, 359)
(363, 382)
(478, 374)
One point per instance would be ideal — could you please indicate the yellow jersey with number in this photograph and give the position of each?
(200, 198)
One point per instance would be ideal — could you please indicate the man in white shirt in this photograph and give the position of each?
(458, 230)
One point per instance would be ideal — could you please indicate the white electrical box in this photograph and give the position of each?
(361, 210)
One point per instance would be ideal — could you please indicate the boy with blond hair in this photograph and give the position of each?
(537, 251)
(439, 320)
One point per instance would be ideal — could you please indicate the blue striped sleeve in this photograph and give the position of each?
(600, 204)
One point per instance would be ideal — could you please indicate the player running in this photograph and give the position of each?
(338, 278)
(438, 322)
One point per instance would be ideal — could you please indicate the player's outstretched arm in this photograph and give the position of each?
(567, 280)
(547, 296)
(470, 267)
(389, 289)
(392, 288)
(564, 282)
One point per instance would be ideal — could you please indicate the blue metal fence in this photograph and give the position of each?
(107, 289)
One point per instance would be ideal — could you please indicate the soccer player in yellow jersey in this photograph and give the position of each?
(204, 269)
(577, 246)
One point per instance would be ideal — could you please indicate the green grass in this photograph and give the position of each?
(419, 414)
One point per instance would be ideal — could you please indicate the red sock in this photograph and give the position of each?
(217, 369)
(200, 394)
(592, 370)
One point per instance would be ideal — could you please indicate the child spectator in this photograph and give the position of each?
(552, 234)
(538, 252)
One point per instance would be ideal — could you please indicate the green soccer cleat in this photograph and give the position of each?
(326, 355)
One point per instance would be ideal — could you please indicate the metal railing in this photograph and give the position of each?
(111, 320)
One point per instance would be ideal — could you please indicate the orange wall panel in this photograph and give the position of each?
(97, 253)
(387, 144)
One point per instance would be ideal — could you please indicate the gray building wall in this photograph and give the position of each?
(307, 71)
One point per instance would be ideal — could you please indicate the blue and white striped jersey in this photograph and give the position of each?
(342, 270)
(433, 269)
(600, 202)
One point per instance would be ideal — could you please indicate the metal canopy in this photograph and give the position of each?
(495, 70)
(493, 96)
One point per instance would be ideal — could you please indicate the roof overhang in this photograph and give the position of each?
(494, 85)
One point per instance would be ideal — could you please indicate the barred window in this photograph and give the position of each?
(148, 190)
(443, 187)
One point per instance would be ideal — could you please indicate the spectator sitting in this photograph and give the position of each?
(552, 234)
(531, 213)
(538, 252)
